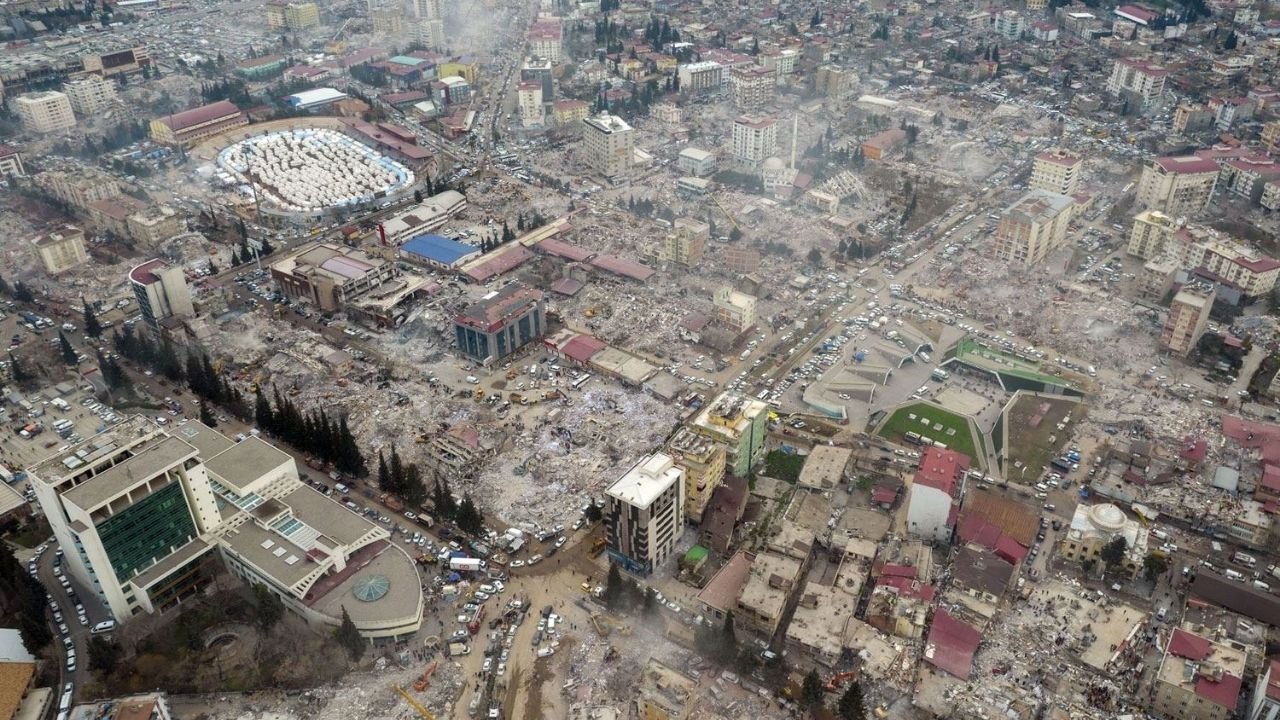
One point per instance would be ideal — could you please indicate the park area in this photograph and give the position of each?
(934, 423)
(1038, 428)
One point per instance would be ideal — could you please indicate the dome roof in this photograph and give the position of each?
(1107, 517)
(774, 163)
(371, 587)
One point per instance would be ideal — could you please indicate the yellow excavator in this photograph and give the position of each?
(413, 703)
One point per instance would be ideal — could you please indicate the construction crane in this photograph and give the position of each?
(413, 703)
(715, 199)
(421, 683)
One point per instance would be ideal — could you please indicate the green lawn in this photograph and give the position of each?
(784, 466)
(943, 426)
(1030, 444)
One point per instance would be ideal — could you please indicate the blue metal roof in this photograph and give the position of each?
(437, 248)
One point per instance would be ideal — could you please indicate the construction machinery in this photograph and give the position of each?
(422, 682)
(837, 680)
(413, 703)
(602, 629)
(724, 210)
(479, 394)
(597, 547)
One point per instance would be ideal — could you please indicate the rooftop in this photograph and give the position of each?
(951, 645)
(646, 480)
(722, 592)
(1187, 164)
(606, 123)
(246, 461)
(198, 116)
(824, 468)
(1039, 206)
(495, 309)
(438, 249)
(149, 460)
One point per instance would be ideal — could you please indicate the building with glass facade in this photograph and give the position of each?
(500, 324)
(144, 515)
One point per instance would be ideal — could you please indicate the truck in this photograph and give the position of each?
(466, 563)
(473, 627)
(480, 549)
(1244, 559)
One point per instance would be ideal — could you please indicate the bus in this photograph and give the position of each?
(581, 380)
(913, 438)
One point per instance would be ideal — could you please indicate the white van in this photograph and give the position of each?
(473, 379)
(105, 626)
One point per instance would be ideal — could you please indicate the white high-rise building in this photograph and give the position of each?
(161, 290)
(1178, 186)
(1033, 227)
(754, 139)
(1138, 79)
(608, 144)
(645, 513)
(44, 112)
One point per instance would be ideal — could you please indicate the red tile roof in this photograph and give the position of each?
(581, 348)
(500, 263)
(560, 248)
(1010, 549)
(1194, 450)
(1261, 264)
(905, 571)
(1186, 645)
(1273, 680)
(883, 495)
(198, 116)
(619, 266)
(951, 645)
(1271, 477)
(1224, 692)
(940, 469)
(1188, 164)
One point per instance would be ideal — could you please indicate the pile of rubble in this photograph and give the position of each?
(553, 467)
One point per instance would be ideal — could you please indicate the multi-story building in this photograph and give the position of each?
(753, 87)
(1151, 233)
(544, 40)
(645, 513)
(1199, 678)
(500, 324)
(704, 76)
(735, 310)
(696, 162)
(1265, 703)
(539, 70)
(44, 112)
(1178, 186)
(142, 514)
(327, 275)
(262, 67)
(428, 32)
(1271, 136)
(702, 460)
(1094, 526)
(1270, 191)
(191, 126)
(570, 112)
(882, 143)
(755, 139)
(1033, 227)
(429, 215)
(161, 290)
(292, 16)
(60, 250)
(1010, 24)
(772, 579)
(1057, 171)
(608, 143)
(1187, 319)
(684, 248)
(155, 223)
(1255, 275)
(119, 61)
(738, 422)
(782, 61)
(834, 81)
(10, 162)
(934, 499)
(1191, 117)
(532, 111)
(1138, 81)
(80, 188)
(90, 94)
